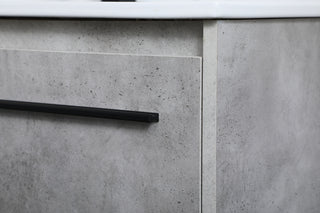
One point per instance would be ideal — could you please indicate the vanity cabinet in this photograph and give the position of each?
(238, 129)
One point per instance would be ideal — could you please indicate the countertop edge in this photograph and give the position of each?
(228, 9)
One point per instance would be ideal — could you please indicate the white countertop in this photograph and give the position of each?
(161, 9)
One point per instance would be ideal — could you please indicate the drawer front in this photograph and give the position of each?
(59, 163)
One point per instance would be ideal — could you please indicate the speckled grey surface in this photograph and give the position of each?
(66, 164)
(174, 38)
(268, 145)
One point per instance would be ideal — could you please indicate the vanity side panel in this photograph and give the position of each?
(209, 105)
(171, 38)
(268, 118)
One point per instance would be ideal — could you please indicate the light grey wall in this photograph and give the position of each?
(182, 38)
(268, 143)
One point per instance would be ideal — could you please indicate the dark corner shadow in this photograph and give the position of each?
(12, 114)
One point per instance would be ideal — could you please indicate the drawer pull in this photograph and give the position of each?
(147, 117)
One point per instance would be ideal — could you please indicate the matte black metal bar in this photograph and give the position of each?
(147, 117)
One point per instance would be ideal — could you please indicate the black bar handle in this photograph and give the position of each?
(147, 117)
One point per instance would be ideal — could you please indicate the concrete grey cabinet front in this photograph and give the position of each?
(54, 163)
(268, 134)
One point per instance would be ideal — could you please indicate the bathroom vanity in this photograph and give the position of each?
(236, 85)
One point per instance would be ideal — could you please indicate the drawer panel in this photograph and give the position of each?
(57, 163)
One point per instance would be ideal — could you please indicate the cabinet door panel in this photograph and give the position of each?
(57, 163)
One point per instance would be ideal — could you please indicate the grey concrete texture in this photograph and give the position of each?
(268, 134)
(54, 163)
(183, 38)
